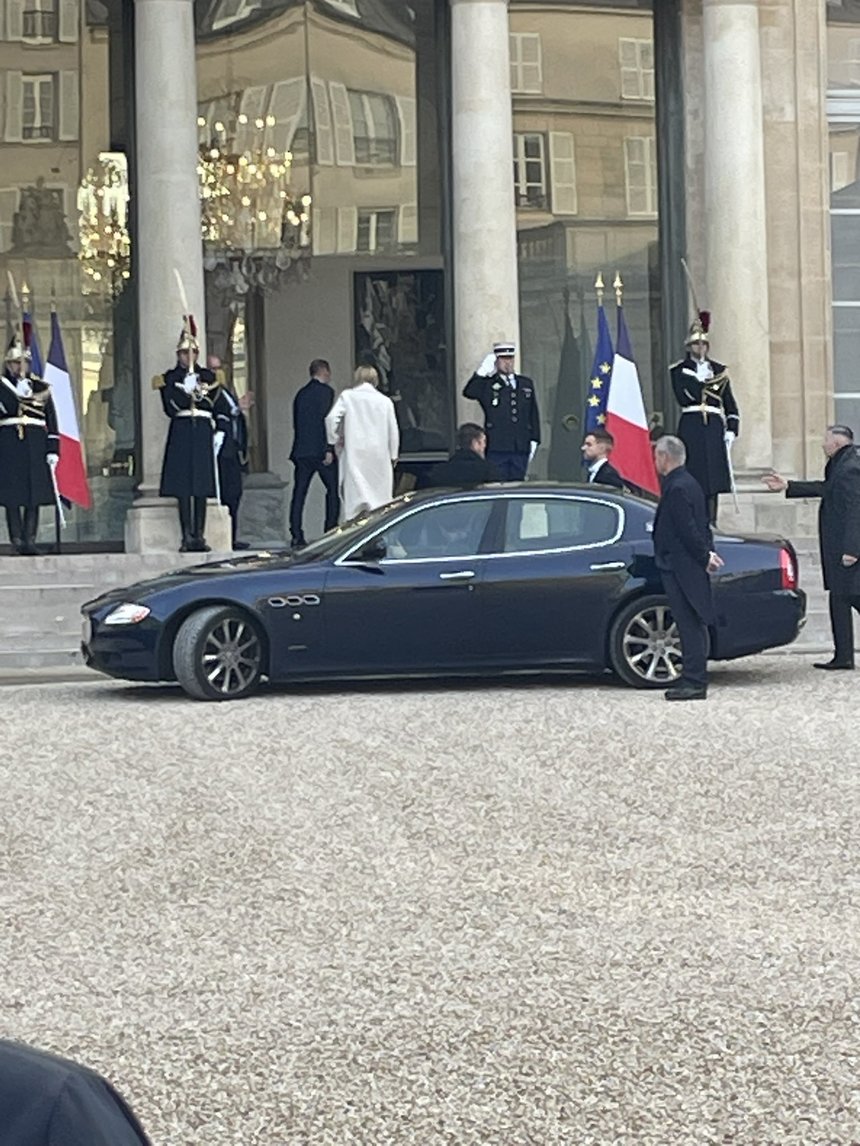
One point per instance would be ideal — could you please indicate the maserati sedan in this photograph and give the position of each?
(510, 578)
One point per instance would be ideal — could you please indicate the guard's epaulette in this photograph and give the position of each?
(680, 362)
(220, 377)
(158, 381)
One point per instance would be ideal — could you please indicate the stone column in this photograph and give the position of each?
(486, 296)
(735, 219)
(168, 236)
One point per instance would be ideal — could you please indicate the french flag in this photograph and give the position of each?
(71, 471)
(625, 416)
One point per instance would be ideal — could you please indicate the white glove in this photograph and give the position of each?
(729, 436)
(218, 440)
(532, 450)
(488, 367)
(23, 388)
(53, 460)
(189, 384)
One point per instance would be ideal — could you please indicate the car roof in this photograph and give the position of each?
(525, 487)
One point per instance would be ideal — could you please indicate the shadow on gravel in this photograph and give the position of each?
(732, 677)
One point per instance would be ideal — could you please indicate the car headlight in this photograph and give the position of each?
(127, 614)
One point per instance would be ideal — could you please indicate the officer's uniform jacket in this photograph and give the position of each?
(708, 409)
(28, 433)
(511, 418)
(189, 468)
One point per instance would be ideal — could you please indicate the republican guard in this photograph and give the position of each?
(709, 421)
(29, 447)
(189, 396)
(511, 418)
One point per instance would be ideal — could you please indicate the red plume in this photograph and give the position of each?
(705, 320)
(192, 326)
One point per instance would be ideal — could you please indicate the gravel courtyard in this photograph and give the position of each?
(550, 912)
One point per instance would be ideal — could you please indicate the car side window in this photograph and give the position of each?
(453, 529)
(557, 523)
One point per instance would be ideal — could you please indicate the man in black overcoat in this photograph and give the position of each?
(29, 447)
(188, 396)
(50, 1101)
(684, 554)
(311, 454)
(511, 418)
(838, 535)
(710, 420)
(468, 465)
(229, 410)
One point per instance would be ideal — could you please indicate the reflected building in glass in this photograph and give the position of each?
(412, 180)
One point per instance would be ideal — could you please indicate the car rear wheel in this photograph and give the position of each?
(218, 654)
(644, 644)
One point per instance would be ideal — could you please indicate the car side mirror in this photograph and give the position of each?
(372, 553)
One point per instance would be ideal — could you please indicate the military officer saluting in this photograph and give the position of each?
(189, 395)
(29, 446)
(511, 418)
(709, 421)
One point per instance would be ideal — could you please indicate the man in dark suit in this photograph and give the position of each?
(838, 535)
(511, 418)
(684, 553)
(311, 453)
(468, 465)
(49, 1101)
(596, 448)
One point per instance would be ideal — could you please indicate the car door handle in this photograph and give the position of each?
(601, 565)
(460, 575)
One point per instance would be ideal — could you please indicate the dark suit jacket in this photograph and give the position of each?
(511, 417)
(683, 540)
(609, 475)
(48, 1101)
(838, 518)
(463, 468)
(310, 407)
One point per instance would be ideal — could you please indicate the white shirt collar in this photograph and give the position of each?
(594, 467)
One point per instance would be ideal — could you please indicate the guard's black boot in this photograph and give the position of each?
(31, 528)
(15, 526)
(186, 525)
(200, 545)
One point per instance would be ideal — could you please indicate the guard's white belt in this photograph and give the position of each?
(22, 422)
(703, 410)
(193, 414)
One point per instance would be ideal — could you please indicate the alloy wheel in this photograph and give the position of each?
(652, 645)
(231, 656)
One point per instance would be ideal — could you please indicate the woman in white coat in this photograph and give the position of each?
(362, 427)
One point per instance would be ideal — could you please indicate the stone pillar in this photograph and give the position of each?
(168, 236)
(735, 222)
(486, 295)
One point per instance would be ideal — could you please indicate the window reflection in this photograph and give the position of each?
(63, 230)
(585, 177)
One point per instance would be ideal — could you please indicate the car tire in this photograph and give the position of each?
(644, 644)
(218, 654)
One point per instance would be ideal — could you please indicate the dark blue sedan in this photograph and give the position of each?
(499, 579)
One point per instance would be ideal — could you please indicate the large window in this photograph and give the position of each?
(64, 196)
(843, 110)
(586, 185)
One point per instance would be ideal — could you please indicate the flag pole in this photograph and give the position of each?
(599, 288)
(618, 286)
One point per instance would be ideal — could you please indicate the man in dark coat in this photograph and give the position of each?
(49, 1101)
(709, 421)
(468, 465)
(311, 453)
(188, 395)
(511, 418)
(838, 535)
(596, 448)
(684, 554)
(229, 411)
(29, 447)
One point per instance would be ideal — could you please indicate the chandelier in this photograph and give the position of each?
(256, 229)
(104, 246)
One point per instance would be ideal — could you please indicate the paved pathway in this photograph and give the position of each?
(557, 912)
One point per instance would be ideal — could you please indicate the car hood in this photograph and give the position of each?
(140, 590)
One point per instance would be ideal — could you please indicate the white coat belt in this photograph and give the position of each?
(193, 414)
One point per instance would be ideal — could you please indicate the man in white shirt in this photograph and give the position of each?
(362, 427)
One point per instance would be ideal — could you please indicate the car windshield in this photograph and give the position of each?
(331, 543)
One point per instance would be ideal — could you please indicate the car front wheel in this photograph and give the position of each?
(218, 654)
(644, 644)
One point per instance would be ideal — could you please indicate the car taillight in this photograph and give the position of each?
(787, 569)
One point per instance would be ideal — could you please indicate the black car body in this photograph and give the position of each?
(503, 578)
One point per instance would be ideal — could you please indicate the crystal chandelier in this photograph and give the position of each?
(105, 250)
(256, 230)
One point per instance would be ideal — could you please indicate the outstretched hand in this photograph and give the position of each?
(776, 483)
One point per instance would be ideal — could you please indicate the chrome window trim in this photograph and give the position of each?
(621, 517)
